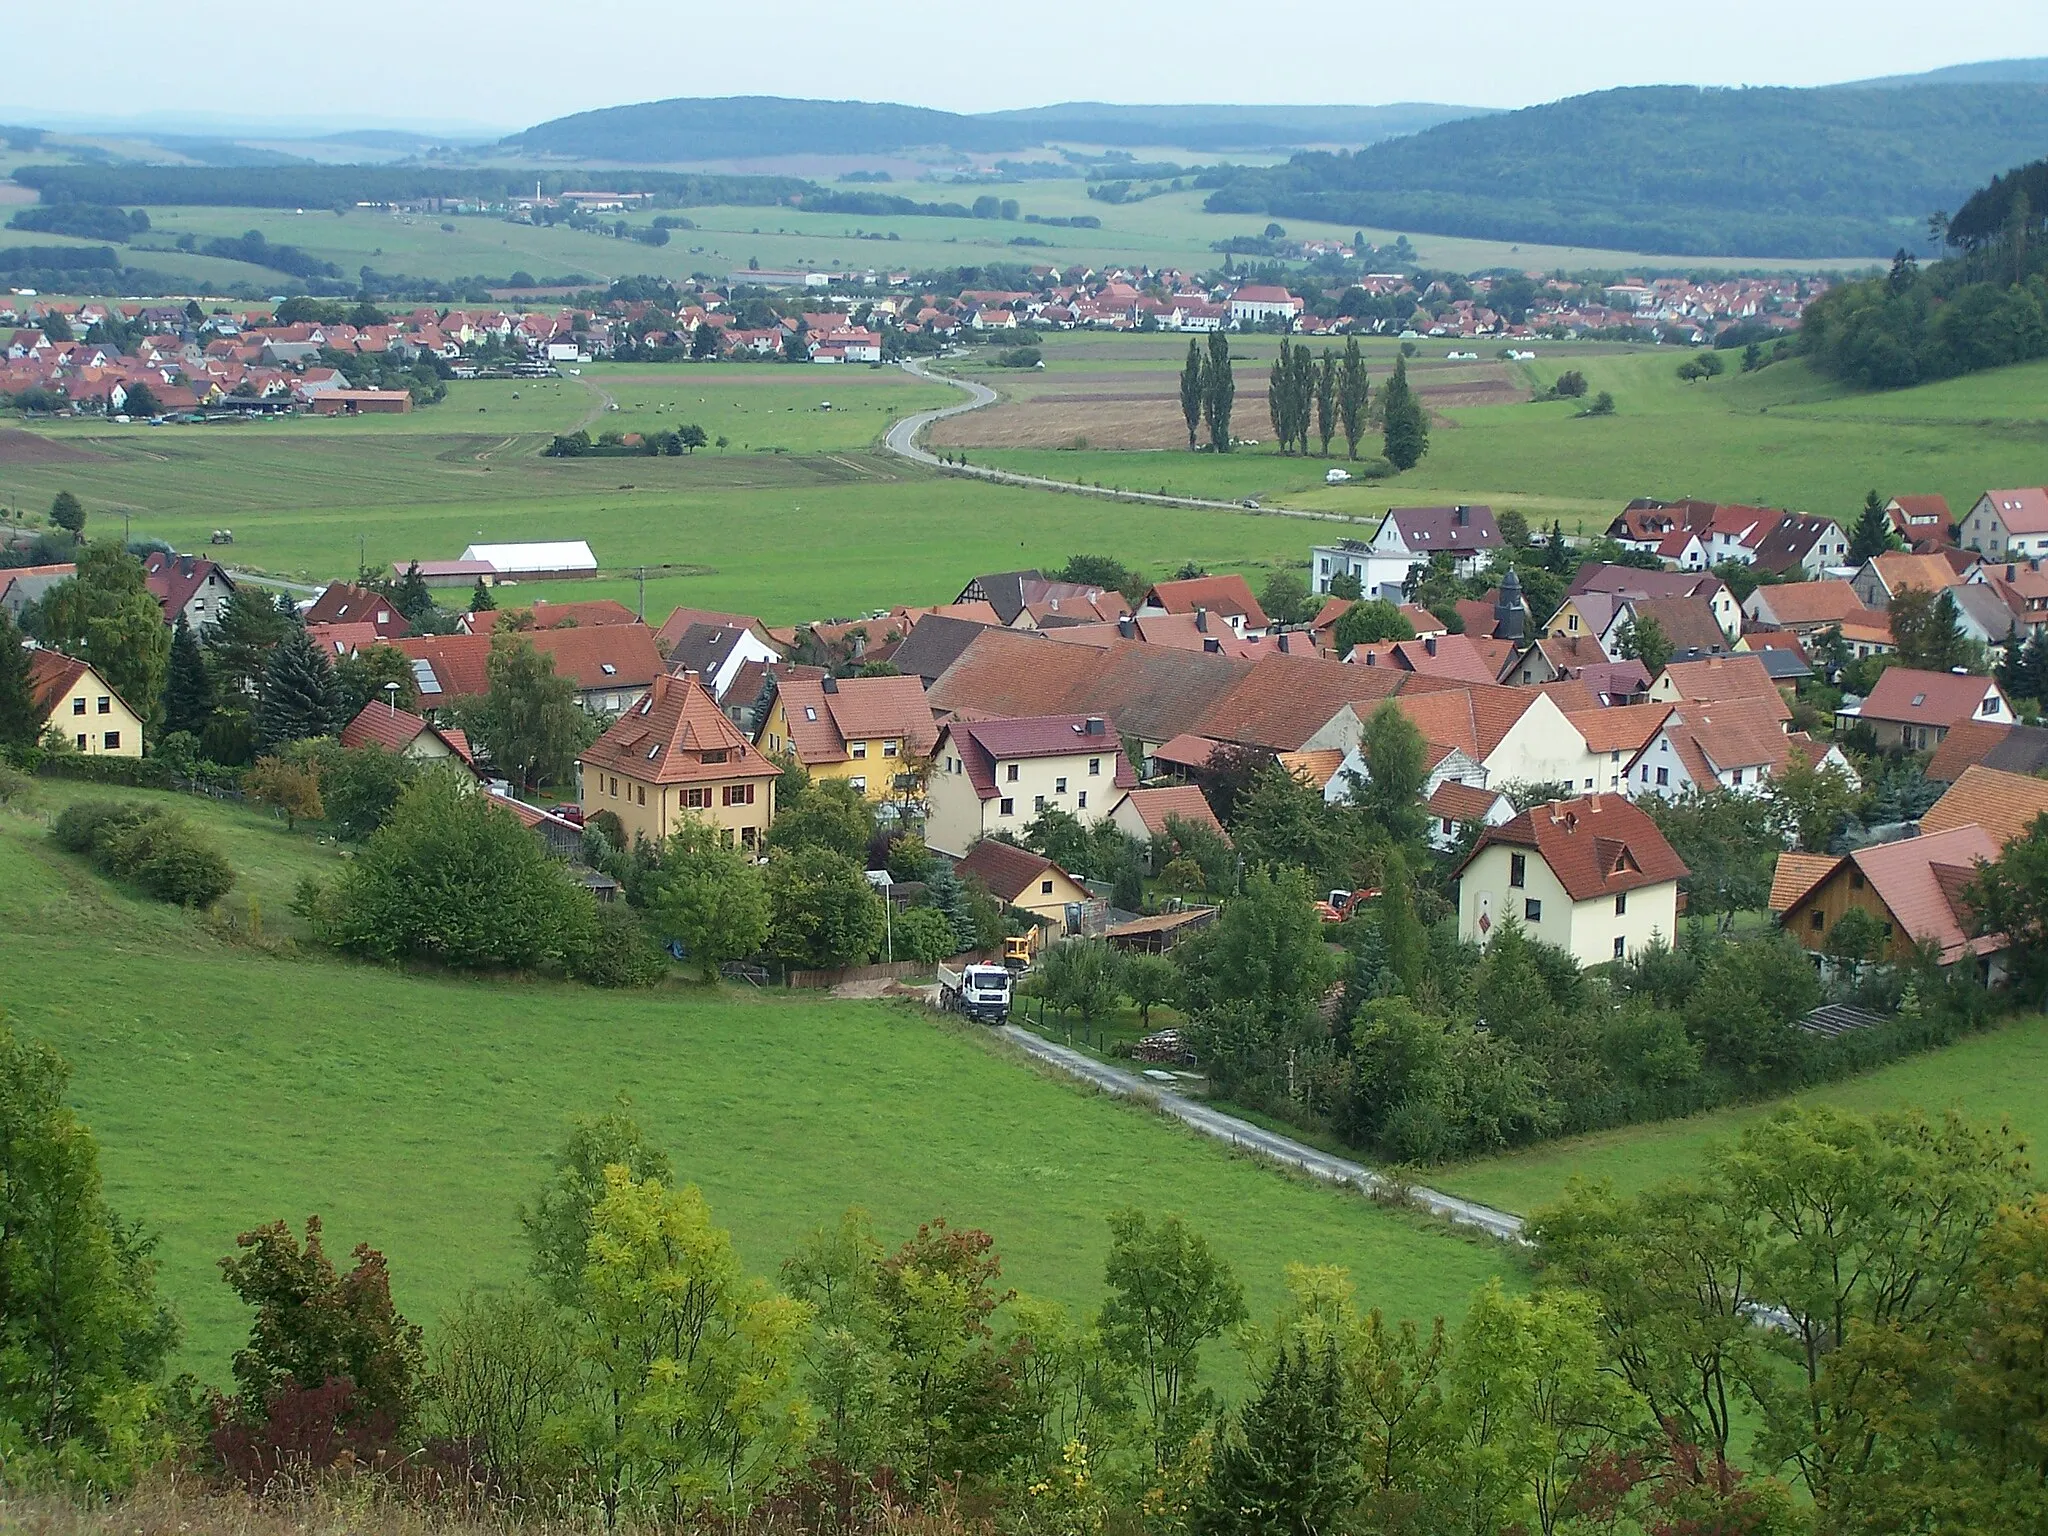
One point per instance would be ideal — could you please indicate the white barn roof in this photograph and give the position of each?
(512, 559)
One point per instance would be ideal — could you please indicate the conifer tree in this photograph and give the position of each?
(1291, 1469)
(1353, 395)
(1873, 535)
(1407, 427)
(188, 690)
(20, 720)
(1191, 390)
(480, 600)
(413, 598)
(298, 698)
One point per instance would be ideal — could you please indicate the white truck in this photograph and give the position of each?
(981, 992)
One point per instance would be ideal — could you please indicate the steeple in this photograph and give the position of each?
(1507, 608)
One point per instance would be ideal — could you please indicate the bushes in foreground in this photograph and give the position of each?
(152, 847)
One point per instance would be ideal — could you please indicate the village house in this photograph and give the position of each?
(1807, 607)
(188, 586)
(1739, 745)
(1227, 596)
(1914, 890)
(407, 735)
(1453, 807)
(2008, 524)
(1027, 881)
(611, 665)
(674, 756)
(342, 603)
(717, 654)
(1882, 577)
(1256, 303)
(1592, 876)
(1923, 523)
(873, 732)
(1626, 581)
(999, 775)
(74, 702)
(1408, 537)
(1910, 710)
(1144, 813)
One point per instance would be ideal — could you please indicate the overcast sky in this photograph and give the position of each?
(511, 63)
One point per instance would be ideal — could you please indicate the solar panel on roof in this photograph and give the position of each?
(423, 676)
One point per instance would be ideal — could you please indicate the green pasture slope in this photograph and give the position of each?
(796, 520)
(229, 1085)
(1780, 437)
(2001, 1075)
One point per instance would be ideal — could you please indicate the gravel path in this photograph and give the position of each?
(1242, 1133)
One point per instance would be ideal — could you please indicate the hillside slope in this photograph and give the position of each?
(1677, 170)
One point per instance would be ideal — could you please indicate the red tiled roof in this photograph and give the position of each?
(396, 729)
(1907, 878)
(1462, 802)
(1219, 594)
(821, 723)
(601, 657)
(1596, 846)
(547, 615)
(981, 744)
(2024, 510)
(2003, 804)
(1795, 875)
(1182, 801)
(1911, 696)
(1735, 676)
(172, 579)
(1008, 871)
(1624, 728)
(667, 737)
(51, 675)
(681, 619)
(1967, 742)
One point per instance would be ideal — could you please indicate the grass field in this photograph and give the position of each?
(2000, 1075)
(228, 1086)
(1780, 437)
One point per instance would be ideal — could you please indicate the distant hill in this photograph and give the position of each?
(1676, 170)
(730, 127)
(1988, 72)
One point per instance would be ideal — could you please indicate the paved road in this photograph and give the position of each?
(902, 441)
(1242, 1133)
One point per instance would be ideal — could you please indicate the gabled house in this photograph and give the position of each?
(870, 731)
(1626, 581)
(1687, 623)
(75, 702)
(611, 665)
(717, 654)
(1803, 543)
(673, 755)
(1914, 890)
(1409, 536)
(343, 603)
(190, 586)
(1228, 596)
(1923, 523)
(2008, 524)
(2006, 805)
(1883, 577)
(1592, 876)
(1718, 679)
(1804, 607)
(1739, 745)
(1028, 881)
(993, 776)
(1911, 710)
(1453, 807)
(407, 735)
(1144, 813)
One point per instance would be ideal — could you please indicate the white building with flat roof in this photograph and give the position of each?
(570, 557)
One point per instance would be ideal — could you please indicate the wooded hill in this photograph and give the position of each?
(718, 128)
(1677, 170)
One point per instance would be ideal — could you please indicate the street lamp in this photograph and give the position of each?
(391, 698)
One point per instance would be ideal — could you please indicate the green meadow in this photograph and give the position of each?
(232, 1080)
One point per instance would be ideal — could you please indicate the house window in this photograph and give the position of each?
(889, 748)
(106, 705)
(1011, 775)
(1038, 802)
(1621, 905)
(1738, 776)
(739, 794)
(1532, 911)
(1081, 800)
(1006, 807)
(1045, 887)
(860, 749)
(860, 784)
(746, 837)
(1620, 948)
(1855, 879)
(1518, 870)
(1059, 786)
(642, 794)
(696, 799)
(78, 706)
(810, 713)
(1094, 767)
(1815, 918)
(1663, 775)
(81, 741)
(1589, 783)
(113, 741)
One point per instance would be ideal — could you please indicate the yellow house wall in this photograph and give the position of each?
(85, 695)
(1050, 906)
(957, 815)
(1585, 929)
(653, 811)
(879, 766)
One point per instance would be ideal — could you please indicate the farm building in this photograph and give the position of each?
(535, 562)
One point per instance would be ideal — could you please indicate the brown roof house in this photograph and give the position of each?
(1229, 596)
(1144, 813)
(867, 730)
(998, 775)
(1022, 879)
(407, 735)
(1592, 876)
(2004, 804)
(76, 703)
(674, 755)
(342, 602)
(1912, 710)
(187, 585)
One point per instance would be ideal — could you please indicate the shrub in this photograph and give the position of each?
(616, 950)
(923, 934)
(156, 849)
(14, 784)
(82, 827)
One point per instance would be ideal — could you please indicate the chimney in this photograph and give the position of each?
(1281, 641)
(1461, 515)
(1372, 658)
(829, 683)
(1429, 645)
(1202, 620)
(1125, 628)
(1212, 644)
(1593, 800)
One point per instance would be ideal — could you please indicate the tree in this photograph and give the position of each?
(1353, 396)
(363, 677)
(1728, 843)
(1219, 392)
(1927, 630)
(1080, 975)
(188, 690)
(1873, 534)
(68, 512)
(1369, 623)
(1811, 799)
(703, 342)
(314, 1325)
(138, 399)
(2023, 672)
(1407, 424)
(1193, 391)
(298, 698)
(453, 879)
(690, 1362)
(559, 1222)
(1642, 638)
(239, 645)
(86, 1338)
(823, 912)
(794, 348)
(1149, 980)
(1326, 399)
(504, 1371)
(830, 814)
(1346, 587)
(291, 789)
(2010, 896)
(415, 599)
(480, 598)
(1291, 1466)
(1169, 1294)
(360, 787)
(1397, 767)
(529, 721)
(709, 896)
(107, 615)
(21, 722)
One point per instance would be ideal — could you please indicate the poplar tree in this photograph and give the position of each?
(1276, 399)
(1326, 398)
(1192, 388)
(1219, 391)
(1353, 393)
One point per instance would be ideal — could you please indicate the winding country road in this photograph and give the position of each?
(902, 440)
(1504, 1225)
